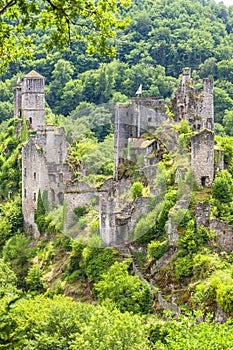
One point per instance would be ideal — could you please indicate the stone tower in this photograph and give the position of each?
(196, 108)
(140, 116)
(29, 99)
(202, 157)
(44, 155)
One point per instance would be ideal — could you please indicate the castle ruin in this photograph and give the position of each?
(44, 166)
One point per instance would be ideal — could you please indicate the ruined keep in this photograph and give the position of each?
(44, 155)
(132, 120)
(44, 166)
(196, 108)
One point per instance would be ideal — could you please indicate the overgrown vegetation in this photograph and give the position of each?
(35, 275)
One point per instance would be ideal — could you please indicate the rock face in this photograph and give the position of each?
(143, 135)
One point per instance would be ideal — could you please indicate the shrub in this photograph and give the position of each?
(184, 267)
(136, 189)
(127, 292)
(34, 280)
(157, 249)
(223, 187)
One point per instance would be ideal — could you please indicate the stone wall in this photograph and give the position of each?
(197, 109)
(32, 99)
(202, 157)
(77, 194)
(34, 178)
(118, 217)
(224, 235)
(132, 120)
(202, 213)
(218, 160)
(43, 168)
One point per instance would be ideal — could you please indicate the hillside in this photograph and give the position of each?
(138, 228)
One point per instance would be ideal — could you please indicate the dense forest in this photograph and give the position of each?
(64, 292)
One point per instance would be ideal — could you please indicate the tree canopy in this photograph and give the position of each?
(94, 21)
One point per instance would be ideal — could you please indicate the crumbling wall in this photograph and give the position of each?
(76, 194)
(34, 178)
(224, 235)
(118, 217)
(197, 109)
(202, 214)
(202, 157)
(134, 119)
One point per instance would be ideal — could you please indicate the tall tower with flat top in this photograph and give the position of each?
(30, 100)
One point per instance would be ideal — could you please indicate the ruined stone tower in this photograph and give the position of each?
(196, 108)
(29, 99)
(202, 157)
(44, 155)
(140, 116)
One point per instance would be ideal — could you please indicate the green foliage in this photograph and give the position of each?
(152, 225)
(157, 249)
(10, 159)
(191, 239)
(125, 291)
(63, 21)
(112, 330)
(39, 215)
(202, 266)
(188, 333)
(34, 281)
(228, 122)
(11, 220)
(97, 261)
(81, 211)
(8, 279)
(95, 158)
(184, 267)
(17, 254)
(223, 187)
(136, 189)
(222, 203)
(61, 324)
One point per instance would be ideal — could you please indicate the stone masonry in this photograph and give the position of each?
(44, 166)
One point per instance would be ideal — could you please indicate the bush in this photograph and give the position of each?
(136, 190)
(127, 292)
(34, 280)
(223, 187)
(184, 267)
(97, 261)
(157, 249)
(81, 211)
